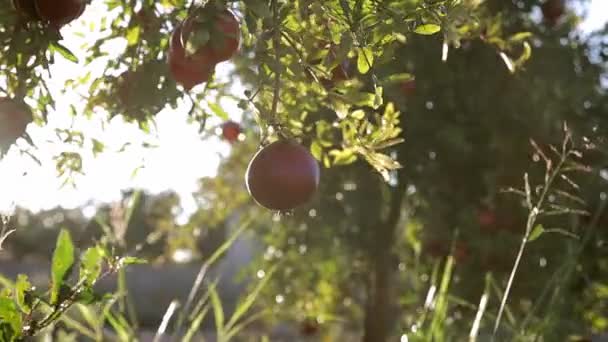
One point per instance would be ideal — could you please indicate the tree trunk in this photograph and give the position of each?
(378, 305)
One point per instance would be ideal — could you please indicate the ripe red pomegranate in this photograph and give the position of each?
(60, 12)
(486, 218)
(461, 251)
(553, 10)
(408, 88)
(26, 8)
(341, 72)
(282, 176)
(309, 327)
(231, 131)
(187, 70)
(436, 248)
(222, 29)
(14, 118)
(439, 248)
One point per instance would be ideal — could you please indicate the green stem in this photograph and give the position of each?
(532, 216)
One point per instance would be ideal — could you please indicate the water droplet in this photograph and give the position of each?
(604, 174)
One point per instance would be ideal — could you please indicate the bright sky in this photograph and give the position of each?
(180, 159)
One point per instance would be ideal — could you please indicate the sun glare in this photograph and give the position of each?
(177, 159)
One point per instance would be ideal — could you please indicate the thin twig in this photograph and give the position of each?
(532, 216)
(277, 73)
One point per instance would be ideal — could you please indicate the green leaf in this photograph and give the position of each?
(365, 59)
(217, 110)
(218, 311)
(246, 304)
(520, 36)
(98, 147)
(90, 266)
(22, 287)
(63, 51)
(397, 78)
(196, 323)
(343, 157)
(316, 150)
(133, 35)
(537, 231)
(378, 99)
(10, 320)
(358, 114)
(63, 259)
(525, 55)
(124, 261)
(427, 29)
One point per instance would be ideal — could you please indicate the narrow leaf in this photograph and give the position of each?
(22, 286)
(427, 29)
(63, 51)
(63, 259)
(365, 59)
(90, 267)
(537, 231)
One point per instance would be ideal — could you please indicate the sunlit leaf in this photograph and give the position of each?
(537, 231)
(427, 29)
(63, 260)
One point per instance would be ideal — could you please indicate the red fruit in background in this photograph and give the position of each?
(553, 10)
(189, 73)
(486, 218)
(220, 27)
(341, 72)
(282, 176)
(27, 8)
(231, 131)
(14, 118)
(408, 88)
(59, 12)
(461, 251)
(187, 70)
(309, 327)
(436, 248)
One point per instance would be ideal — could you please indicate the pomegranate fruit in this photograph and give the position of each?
(408, 88)
(187, 70)
(60, 12)
(220, 27)
(26, 8)
(341, 72)
(309, 327)
(552, 10)
(282, 176)
(461, 252)
(436, 248)
(486, 218)
(231, 131)
(14, 118)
